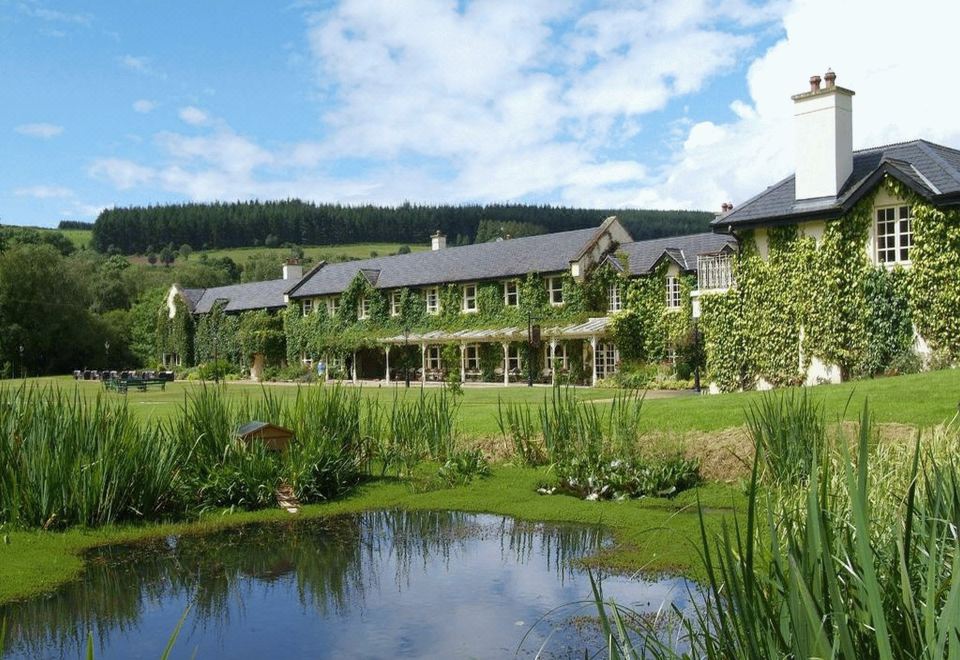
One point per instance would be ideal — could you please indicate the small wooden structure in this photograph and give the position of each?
(275, 438)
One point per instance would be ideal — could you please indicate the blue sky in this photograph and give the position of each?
(680, 104)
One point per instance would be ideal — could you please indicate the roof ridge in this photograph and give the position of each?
(928, 148)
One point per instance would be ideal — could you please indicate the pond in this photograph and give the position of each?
(377, 585)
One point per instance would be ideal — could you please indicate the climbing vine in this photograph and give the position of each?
(175, 335)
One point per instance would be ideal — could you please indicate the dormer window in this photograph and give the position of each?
(673, 292)
(470, 298)
(306, 306)
(511, 293)
(894, 235)
(363, 308)
(614, 303)
(555, 290)
(433, 300)
(395, 303)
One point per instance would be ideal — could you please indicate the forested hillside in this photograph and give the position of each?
(245, 224)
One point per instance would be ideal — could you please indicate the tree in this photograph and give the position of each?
(151, 258)
(404, 249)
(260, 267)
(167, 256)
(44, 307)
(185, 251)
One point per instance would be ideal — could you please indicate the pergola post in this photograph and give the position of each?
(353, 368)
(506, 362)
(593, 350)
(423, 363)
(326, 371)
(553, 361)
(463, 362)
(386, 350)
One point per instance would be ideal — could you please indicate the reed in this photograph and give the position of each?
(786, 427)
(821, 580)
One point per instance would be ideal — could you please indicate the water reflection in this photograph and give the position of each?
(381, 584)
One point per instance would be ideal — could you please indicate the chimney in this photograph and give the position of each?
(438, 241)
(292, 270)
(823, 121)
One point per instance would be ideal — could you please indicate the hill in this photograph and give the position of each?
(137, 230)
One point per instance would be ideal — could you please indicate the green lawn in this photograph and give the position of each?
(315, 252)
(920, 400)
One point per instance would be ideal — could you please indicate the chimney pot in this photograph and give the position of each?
(831, 78)
(814, 83)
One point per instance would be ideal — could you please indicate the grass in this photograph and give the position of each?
(315, 252)
(80, 238)
(919, 400)
(35, 562)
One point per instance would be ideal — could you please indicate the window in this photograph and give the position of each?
(472, 357)
(433, 301)
(714, 271)
(673, 292)
(470, 298)
(511, 293)
(894, 235)
(333, 304)
(613, 298)
(559, 358)
(434, 360)
(363, 308)
(513, 358)
(607, 358)
(555, 290)
(306, 306)
(395, 303)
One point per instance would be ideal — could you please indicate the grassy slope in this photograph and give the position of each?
(651, 534)
(79, 237)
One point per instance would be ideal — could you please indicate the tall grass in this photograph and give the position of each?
(68, 461)
(65, 461)
(786, 427)
(822, 581)
(595, 451)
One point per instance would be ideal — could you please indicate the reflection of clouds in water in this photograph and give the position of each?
(397, 584)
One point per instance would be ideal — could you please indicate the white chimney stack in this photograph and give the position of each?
(438, 241)
(292, 270)
(823, 120)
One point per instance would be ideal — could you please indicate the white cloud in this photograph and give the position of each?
(144, 106)
(903, 93)
(44, 192)
(56, 16)
(193, 116)
(140, 64)
(40, 130)
(483, 101)
(123, 174)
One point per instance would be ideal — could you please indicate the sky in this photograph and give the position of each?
(601, 104)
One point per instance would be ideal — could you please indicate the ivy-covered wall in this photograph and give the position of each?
(829, 301)
(175, 335)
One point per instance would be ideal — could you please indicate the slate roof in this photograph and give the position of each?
(546, 253)
(643, 256)
(192, 297)
(243, 297)
(931, 170)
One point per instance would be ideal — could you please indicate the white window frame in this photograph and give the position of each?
(471, 357)
(614, 299)
(432, 300)
(674, 293)
(363, 308)
(333, 305)
(434, 357)
(607, 358)
(395, 303)
(469, 302)
(514, 363)
(306, 306)
(511, 289)
(555, 290)
(558, 358)
(897, 242)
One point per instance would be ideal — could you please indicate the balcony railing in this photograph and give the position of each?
(714, 272)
